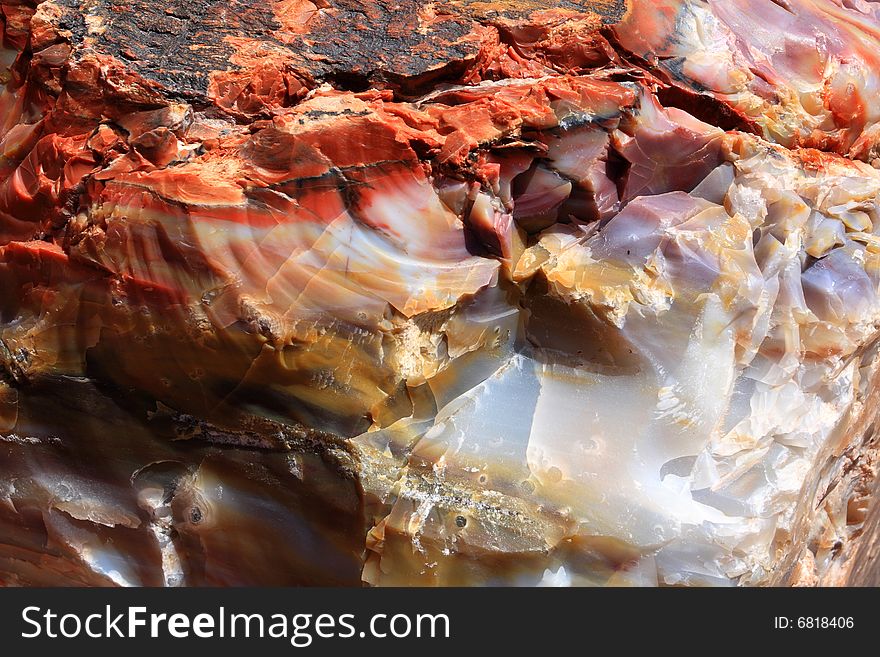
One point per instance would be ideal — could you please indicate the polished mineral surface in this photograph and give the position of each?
(438, 293)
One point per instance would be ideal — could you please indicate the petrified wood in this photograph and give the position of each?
(527, 292)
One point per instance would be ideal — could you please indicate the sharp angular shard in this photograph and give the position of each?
(456, 293)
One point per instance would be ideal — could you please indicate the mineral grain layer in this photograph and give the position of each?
(439, 293)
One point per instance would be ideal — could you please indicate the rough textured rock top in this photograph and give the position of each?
(191, 49)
